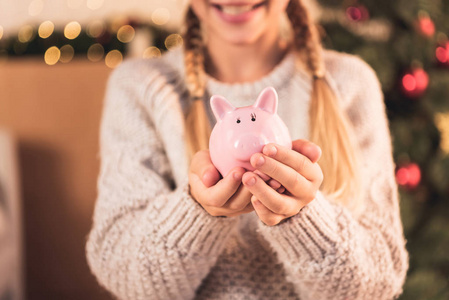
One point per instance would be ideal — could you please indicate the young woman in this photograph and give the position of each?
(319, 221)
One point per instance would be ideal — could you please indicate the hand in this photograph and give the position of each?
(297, 170)
(218, 196)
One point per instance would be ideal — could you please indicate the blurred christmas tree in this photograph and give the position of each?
(406, 43)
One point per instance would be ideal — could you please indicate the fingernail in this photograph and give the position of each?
(260, 161)
(206, 175)
(251, 181)
(270, 150)
(237, 176)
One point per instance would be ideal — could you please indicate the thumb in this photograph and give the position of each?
(204, 168)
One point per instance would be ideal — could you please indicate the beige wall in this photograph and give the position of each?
(55, 113)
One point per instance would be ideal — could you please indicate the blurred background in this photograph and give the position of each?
(55, 58)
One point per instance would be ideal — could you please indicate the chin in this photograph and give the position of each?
(241, 40)
(242, 36)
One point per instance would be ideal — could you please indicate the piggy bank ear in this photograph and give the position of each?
(220, 106)
(268, 100)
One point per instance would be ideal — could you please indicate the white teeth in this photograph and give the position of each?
(236, 10)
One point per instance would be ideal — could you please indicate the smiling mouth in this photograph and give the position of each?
(235, 10)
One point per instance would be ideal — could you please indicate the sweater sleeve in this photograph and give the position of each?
(329, 252)
(148, 240)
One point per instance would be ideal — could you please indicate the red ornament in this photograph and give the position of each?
(415, 83)
(357, 13)
(409, 175)
(442, 54)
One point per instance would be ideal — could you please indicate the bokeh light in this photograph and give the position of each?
(409, 175)
(117, 22)
(67, 53)
(152, 52)
(52, 55)
(95, 28)
(72, 30)
(160, 16)
(415, 82)
(442, 53)
(173, 41)
(35, 7)
(442, 122)
(125, 34)
(409, 82)
(94, 4)
(95, 52)
(357, 13)
(46, 29)
(113, 59)
(26, 34)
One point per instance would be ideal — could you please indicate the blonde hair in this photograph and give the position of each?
(329, 127)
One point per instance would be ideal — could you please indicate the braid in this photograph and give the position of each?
(306, 37)
(328, 125)
(194, 58)
(197, 124)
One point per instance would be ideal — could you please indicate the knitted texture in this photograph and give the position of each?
(151, 240)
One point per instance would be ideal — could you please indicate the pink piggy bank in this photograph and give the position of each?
(241, 132)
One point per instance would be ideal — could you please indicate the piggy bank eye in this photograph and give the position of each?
(253, 117)
(238, 120)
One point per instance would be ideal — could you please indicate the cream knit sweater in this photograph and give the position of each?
(151, 240)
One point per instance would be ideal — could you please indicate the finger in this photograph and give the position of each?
(292, 180)
(249, 208)
(202, 166)
(265, 177)
(239, 200)
(274, 183)
(277, 203)
(264, 214)
(220, 211)
(281, 190)
(307, 148)
(218, 194)
(295, 160)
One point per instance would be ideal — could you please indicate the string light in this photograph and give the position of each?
(95, 28)
(94, 4)
(46, 29)
(152, 52)
(26, 34)
(72, 30)
(52, 55)
(95, 52)
(160, 16)
(113, 59)
(125, 34)
(67, 53)
(35, 7)
(172, 41)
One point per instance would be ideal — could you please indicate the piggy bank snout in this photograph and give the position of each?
(247, 145)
